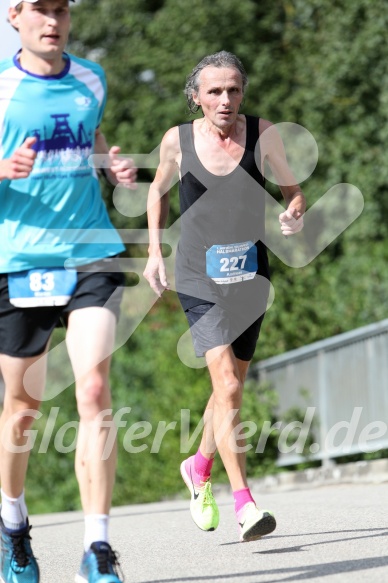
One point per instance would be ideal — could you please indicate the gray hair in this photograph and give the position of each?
(221, 59)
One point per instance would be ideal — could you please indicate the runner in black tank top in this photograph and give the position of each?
(222, 274)
(223, 211)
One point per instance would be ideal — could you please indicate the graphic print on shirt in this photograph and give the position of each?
(62, 113)
(62, 146)
(56, 214)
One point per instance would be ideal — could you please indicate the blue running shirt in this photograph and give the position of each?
(57, 213)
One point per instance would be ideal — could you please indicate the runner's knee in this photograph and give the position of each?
(93, 395)
(228, 392)
(19, 417)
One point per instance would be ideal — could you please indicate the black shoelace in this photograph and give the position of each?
(108, 560)
(20, 551)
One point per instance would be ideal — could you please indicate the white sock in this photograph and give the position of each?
(13, 511)
(96, 529)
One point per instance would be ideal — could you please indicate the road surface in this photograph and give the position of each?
(330, 534)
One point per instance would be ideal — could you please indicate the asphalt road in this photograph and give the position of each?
(333, 534)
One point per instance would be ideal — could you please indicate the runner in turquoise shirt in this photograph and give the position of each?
(58, 262)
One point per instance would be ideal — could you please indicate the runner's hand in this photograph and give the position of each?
(123, 169)
(155, 274)
(291, 221)
(21, 163)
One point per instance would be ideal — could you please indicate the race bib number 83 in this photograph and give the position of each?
(231, 263)
(41, 287)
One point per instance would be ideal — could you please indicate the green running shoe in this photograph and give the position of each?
(203, 507)
(254, 523)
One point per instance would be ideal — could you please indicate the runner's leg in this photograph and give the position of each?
(17, 417)
(227, 376)
(208, 445)
(90, 341)
(20, 408)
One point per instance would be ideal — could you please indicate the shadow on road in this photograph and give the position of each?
(301, 573)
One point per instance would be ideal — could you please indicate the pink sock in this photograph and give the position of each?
(202, 466)
(242, 497)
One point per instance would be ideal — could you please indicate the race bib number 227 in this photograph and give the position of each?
(232, 263)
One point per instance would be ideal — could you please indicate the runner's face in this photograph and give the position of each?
(43, 27)
(220, 94)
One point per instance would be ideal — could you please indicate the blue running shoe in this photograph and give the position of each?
(17, 562)
(99, 565)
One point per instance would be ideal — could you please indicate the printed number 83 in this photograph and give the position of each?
(42, 282)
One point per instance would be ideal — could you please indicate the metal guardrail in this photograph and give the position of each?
(346, 380)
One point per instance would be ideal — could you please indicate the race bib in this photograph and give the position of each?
(231, 263)
(41, 287)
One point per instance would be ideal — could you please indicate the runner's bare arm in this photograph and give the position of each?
(158, 209)
(273, 153)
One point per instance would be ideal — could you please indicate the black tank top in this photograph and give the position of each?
(222, 220)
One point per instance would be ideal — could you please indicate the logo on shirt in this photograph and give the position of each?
(83, 102)
(64, 146)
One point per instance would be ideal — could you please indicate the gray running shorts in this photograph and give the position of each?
(212, 326)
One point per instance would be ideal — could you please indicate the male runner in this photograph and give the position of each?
(222, 274)
(52, 216)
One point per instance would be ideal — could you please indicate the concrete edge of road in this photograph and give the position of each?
(362, 472)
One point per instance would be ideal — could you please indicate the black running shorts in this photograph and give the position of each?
(25, 332)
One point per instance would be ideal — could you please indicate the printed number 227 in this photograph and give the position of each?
(232, 263)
